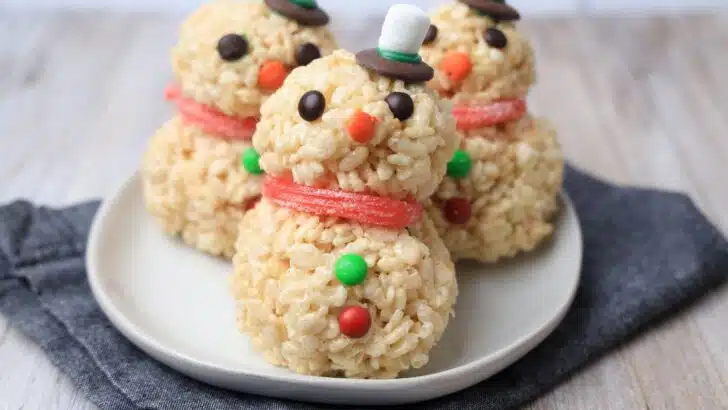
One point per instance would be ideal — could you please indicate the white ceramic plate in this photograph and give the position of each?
(172, 302)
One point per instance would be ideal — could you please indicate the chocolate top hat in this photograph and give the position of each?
(496, 9)
(397, 55)
(304, 12)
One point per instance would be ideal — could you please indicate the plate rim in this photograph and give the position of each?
(171, 357)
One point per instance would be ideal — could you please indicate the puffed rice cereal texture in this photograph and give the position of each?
(288, 296)
(512, 187)
(194, 184)
(496, 73)
(404, 158)
(232, 86)
(289, 299)
(195, 187)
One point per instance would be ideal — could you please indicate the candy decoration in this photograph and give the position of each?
(457, 210)
(305, 53)
(251, 161)
(397, 53)
(354, 321)
(351, 269)
(460, 165)
(431, 34)
(401, 105)
(495, 38)
(311, 106)
(363, 208)
(456, 65)
(471, 117)
(498, 10)
(251, 203)
(303, 12)
(361, 127)
(403, 31)
(212, 121)
(232, 47)
(401, 57)
(271, 75)
(307, 4)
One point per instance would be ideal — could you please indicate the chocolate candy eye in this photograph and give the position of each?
(312, 105)
(431, 34)
(305, 53)
(495, 38)
(401, 105)
(232, 47)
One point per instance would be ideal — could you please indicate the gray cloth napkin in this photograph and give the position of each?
(646, 254)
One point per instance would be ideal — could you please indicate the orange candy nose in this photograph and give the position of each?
(456, 66)
(271, 75)
(361, 127)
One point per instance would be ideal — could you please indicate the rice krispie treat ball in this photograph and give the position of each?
(338, 272)
(502, 185)
(231, 55)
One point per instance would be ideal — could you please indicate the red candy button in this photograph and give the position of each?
(457, 210)
(354, 321)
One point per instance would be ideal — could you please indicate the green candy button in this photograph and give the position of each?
(351, 269)
(251, 161)
(307, 4)
(460, 165)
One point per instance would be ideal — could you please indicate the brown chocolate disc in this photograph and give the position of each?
(401, 105)
(312, 105)
(305, 53)
(497, 10)
(409, 73)
(495, 38)
(232, 47)
(431, 34)
(302, 15)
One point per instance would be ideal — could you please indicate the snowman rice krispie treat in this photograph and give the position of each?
(338, 272)
(501, 189)
(231, 55)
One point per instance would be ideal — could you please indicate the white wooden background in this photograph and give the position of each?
(528, 7)
(638, 99)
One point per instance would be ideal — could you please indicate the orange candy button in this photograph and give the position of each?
(271, 75)
(361, 127)
(456, 66)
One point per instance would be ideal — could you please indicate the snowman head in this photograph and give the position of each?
(364, 123)
(233, 54)
(477, 52)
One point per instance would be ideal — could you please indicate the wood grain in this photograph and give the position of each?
(637, 100)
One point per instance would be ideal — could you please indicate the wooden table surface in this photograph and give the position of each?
(637, 100)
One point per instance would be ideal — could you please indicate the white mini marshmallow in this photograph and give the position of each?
(404, 29)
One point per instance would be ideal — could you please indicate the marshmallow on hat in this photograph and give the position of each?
(397, 55)
(403, 31)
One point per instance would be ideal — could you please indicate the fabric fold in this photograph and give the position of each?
(647, 254)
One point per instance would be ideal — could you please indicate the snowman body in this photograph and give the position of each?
(195, 187)
(291, 295)
(231, 55)
(501, 191)
(290, 300)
